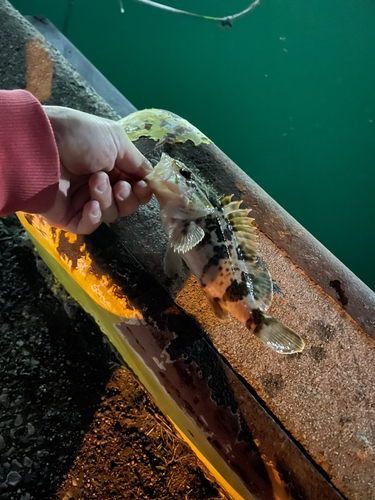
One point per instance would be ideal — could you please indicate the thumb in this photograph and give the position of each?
(130, 160)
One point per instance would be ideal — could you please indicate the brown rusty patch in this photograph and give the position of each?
(324, 331)
(71, 251)
(39, 70)
(29, 218)
(192, 299)
(272, 383)
(318, 353)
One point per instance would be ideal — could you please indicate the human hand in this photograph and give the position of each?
(101, 175)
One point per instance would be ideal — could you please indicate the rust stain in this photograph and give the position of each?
(280, 488)
(39, 69)
(342, 298)
(69, 250)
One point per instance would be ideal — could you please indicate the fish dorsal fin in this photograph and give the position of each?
(233, 206)
(246, 236)
(239, 212)
(184, 240)
(225, 200)
(243, 228)
(262, 284)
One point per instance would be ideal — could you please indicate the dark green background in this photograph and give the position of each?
(288, 93)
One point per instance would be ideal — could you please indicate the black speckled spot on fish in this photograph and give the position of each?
(207, 240)
(213, 226)
(240, 254)
(256, 319)
(236, 291)
(245, 254)
(227, 234)
(220, 253)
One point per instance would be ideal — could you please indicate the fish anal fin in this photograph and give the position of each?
(216, 307)
(278, 336)
(183, 240)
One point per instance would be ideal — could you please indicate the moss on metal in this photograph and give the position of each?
(161, 126)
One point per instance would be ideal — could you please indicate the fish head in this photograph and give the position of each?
(177, 189)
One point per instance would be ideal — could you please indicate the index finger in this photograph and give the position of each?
(130, 160)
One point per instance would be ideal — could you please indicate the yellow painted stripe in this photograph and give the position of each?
(97, 285)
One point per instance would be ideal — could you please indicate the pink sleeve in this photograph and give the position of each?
(29, 159)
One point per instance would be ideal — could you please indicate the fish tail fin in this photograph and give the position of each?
(276, 335)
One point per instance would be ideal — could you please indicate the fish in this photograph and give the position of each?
(218, 242)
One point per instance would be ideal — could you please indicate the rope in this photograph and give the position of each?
(225, 21)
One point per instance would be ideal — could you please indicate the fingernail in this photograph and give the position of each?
(124, 192)
(121, 196)
(102, 187)
(95, 212)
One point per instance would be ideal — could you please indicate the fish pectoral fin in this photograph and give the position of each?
(172, 262)
(279, 337)
(216, 307)
(183, 240)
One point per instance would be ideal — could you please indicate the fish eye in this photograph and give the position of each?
(186, 174)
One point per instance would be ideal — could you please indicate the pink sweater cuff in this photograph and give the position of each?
(29, 159)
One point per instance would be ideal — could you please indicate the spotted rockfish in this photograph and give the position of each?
(217, 240)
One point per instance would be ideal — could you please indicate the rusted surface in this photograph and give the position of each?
(322, 396)
(39, 69)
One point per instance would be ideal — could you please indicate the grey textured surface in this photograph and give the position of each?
(83, 66)
(68, 86)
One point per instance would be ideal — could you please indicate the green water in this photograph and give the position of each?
(288, 93)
